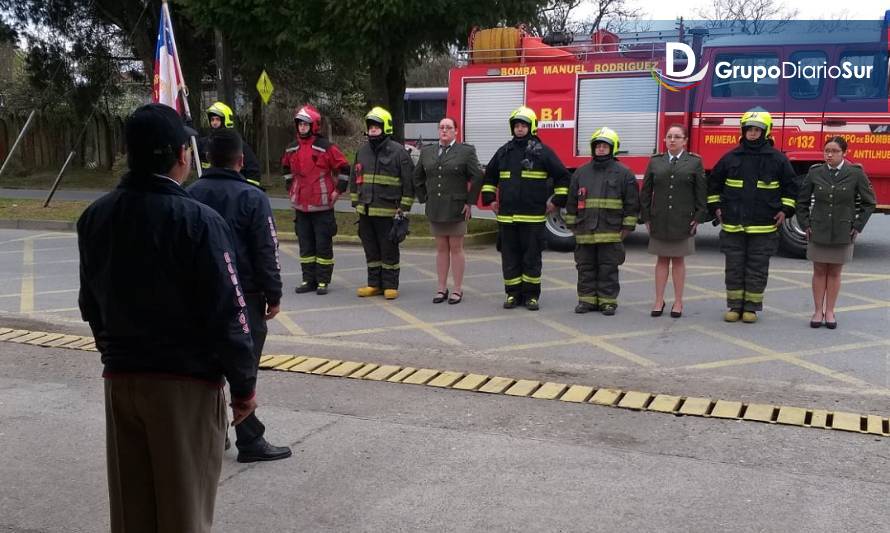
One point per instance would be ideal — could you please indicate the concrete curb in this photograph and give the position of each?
(475, 239)
(48, 225)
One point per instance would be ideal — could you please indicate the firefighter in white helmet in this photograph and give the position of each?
(602, 208)
(519, 182)
(751, 191)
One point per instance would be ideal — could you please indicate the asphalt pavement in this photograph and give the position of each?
(373, 456)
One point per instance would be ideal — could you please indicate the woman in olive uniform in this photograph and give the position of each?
(448, 179)
(673, 203)
(835, 202)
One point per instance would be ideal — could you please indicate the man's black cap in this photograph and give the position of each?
(155, 131)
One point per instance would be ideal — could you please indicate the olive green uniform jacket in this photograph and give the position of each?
(833, 206)
(448, 183)
(673, 195)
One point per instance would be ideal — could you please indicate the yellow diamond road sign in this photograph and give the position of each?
(265, 87)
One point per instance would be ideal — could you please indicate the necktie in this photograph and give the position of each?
(442, 150)
(673, 160)
(833, 172)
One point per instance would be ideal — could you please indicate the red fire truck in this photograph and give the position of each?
(609, 80)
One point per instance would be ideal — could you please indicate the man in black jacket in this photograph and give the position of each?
(247, 210)
(160, 290)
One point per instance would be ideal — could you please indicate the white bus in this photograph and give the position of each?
(424, 108)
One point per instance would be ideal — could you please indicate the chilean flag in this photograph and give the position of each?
(167, 77)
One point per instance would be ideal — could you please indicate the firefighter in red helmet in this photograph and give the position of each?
(316, 173)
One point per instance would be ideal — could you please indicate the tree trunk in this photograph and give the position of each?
(225, 84)
(387, 77)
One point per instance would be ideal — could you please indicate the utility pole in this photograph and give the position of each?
(225, 83)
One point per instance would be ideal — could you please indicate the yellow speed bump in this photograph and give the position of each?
(635, 400)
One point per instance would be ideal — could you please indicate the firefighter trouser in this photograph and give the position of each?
(521, 246)
(315, 232)
(597, 266)
(381, 253)
(747, 267)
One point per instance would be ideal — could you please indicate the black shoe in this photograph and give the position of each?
(584, 307)
(657, 312)
(608, 309)
(322, 289)
(262, 451)
(510, 302)
(305, 287)
(532, 304)
(675, 314)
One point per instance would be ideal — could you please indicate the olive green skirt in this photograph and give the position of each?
(835, 254)
(448, 229)
(674, 248)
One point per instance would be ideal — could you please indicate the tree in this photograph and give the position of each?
(748, 16)
(557, 17)
(79, 34)
(381, 37)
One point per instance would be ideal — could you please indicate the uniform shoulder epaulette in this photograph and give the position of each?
(816, 165)
(255, 183)
(693, 154)
(659, 154)
(857, 165)
(321, 143)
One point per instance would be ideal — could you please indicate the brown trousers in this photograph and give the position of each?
(165, 441)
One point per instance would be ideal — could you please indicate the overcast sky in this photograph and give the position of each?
(807, 9)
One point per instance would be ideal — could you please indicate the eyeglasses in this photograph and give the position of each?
(671, 137)
(446, 128)
(833, 151)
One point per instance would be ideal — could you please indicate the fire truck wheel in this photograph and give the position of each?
(793, 239)
(559, 237)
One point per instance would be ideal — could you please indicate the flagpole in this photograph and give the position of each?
(183, 92)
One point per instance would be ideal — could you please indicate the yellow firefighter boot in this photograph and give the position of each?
(364, 292)
(733, 315)
(749, 317)
(391, 294)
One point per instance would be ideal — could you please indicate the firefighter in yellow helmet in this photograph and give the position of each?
(751, 191)
(602, 208)
(221, 116)
(523, 182)
(381, 188)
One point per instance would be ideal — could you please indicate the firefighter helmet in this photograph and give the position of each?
(308, 114)
(221, 110)
(525, 114)
(380, 116)
(608, 136)
(760, 118)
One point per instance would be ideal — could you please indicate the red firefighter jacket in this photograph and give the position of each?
(314, 168)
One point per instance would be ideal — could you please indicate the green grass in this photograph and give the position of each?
(17, 209)
(81, 178)
(69, 211)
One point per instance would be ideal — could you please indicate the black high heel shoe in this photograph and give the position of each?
(818, 323)
(676, 314)
(659, 311)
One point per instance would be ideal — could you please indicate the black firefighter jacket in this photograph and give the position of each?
(159, 287)
(526, 173)
(750, 185)
(603, 200)
(382, 179)
(251, 169)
